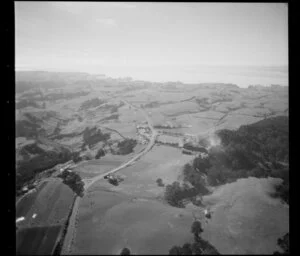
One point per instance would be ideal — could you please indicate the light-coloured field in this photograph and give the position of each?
(126, 129)
(123, 212)
(109, 221)
(92, 168)
(245, 219)
(51, 204)
(140, 179)
(178, 108)
(233, 122)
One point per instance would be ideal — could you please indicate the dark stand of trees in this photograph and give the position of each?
(284, 244)
(126, 146)
(175, 194)
(198, 247)
(160, 183)
(191, 147)
(100, 153)
(258, 150)
(91, 103)
(28, 168)
(111, 117)
(195, 178)
(92, 136)
(125, 251)
(73, 180)
(76, 157)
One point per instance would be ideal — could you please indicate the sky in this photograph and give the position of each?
(148, 39)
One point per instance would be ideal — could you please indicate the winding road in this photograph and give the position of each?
(71, 232)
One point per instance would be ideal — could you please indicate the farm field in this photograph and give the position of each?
(140, 179)
(92, 168)
(111, 218)
(31, 241)
(106, 226)
(245, 215)
(136, 194)
(133, 214)
(51, 204)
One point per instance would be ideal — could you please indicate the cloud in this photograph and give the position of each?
(107, 22)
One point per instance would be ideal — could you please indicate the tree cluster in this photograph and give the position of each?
(125, 251)
(160, 183)
(191, 147)
(259, 150)
(198, 247)
(73, 180)
(195, 178)
(175, 194)
(100, 153)
(284, 244)
(92, 136)
(42, 160)
(126, 146)
(91, 103)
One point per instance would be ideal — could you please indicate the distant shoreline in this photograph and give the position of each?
(241, 76)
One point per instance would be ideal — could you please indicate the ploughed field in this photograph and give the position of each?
(37, 240)
(45, 213)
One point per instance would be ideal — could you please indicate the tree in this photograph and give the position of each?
(199, 246)
(187, 249)
(173, 194)
(195, 178)
(284, 244)
(100, 153)
(196, 228)
(201, 164)
(196, 249)
(175, 250)
(159, 182)
(125, 251)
